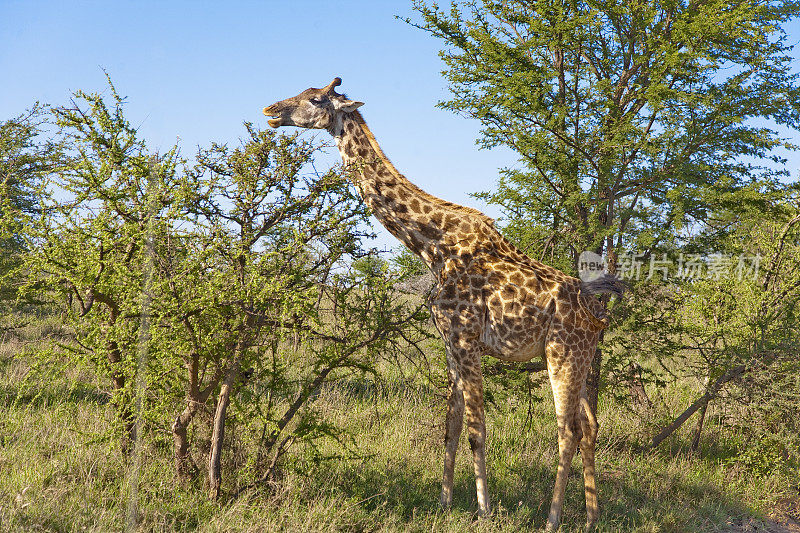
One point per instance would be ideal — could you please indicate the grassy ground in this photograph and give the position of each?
(59, 472)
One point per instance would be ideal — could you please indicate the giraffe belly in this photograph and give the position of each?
(508, 340)
(515, 325)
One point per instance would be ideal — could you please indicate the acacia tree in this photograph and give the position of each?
(184, 283)
(265, 235)
(25, 160)
(100, 207)
(632, 120)
(736, 328)
(262, 261)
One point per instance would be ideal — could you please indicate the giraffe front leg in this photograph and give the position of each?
(476, 432)
(452, 432)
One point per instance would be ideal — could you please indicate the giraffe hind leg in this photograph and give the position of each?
(567, 446)
(587, 444)
(567, 379)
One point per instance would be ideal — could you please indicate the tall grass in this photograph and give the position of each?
(61, 470)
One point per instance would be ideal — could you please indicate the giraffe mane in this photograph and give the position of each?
(437, 201)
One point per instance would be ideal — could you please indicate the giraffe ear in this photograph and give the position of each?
(348, 106)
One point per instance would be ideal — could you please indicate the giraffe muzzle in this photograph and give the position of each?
(273, 122)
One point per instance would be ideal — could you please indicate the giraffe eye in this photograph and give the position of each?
(318, 100)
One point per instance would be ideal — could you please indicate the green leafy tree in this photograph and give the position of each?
(105, 203)
(223, 289)
(255, 307)
(408, 264)
(633, 120)
(264, 236)
(734, 324)
(25, 160)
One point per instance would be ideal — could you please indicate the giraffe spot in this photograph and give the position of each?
(448, 292)
(450, 223)
(391, 226)
(430, 232)
(517, 278)
(447, 305)
(475, 442)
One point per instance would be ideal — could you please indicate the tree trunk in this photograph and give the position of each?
(218, 434)
(114, 355)
(593, 379)
(732, 373)
(699, 428)
(636, 388)
(124, 407)
(185, 469)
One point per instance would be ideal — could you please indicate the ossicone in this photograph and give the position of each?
(335, 83)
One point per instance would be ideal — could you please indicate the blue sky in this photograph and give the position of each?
(195, 71)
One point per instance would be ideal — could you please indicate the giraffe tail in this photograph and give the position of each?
(606, 284)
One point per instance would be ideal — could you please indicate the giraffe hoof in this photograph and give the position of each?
(444, 501)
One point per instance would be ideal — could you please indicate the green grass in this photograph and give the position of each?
(61, 471)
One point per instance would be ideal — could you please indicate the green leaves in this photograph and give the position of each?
(25, 160)
(189, 284)
(612, 106)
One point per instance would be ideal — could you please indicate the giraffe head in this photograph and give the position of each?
(312, 108)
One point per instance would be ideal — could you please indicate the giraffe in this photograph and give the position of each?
(489, 297)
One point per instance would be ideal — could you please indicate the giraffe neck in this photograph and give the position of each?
(427, 225)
